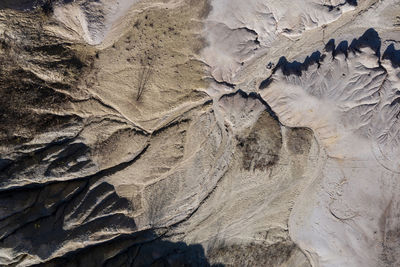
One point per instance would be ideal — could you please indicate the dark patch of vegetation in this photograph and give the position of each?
(261, 146)
(254, 254)
(299, 140)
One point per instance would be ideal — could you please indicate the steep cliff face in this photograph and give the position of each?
(199, 133)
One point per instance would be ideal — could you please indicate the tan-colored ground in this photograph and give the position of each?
(162, 43)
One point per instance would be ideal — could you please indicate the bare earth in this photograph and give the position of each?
(199, 133)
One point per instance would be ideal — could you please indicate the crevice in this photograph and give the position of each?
(248, 30)
(224, 83)
(101, 102)
(51, 213)
(169, 125)
(106, 172)
(257, 96)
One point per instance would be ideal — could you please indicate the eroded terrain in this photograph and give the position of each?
(199, 133)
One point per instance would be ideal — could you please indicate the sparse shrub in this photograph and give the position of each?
(145, 72)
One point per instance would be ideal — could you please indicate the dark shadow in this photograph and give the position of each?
(370, 38)
(296, 67)
(162, 253)
(137, 250)
(342, 48)
(287, 67)
(28, 5)
(337, 7)
(4, 163)
(393, 55)
(352, 2)
(40, 221)
(19, 4)
(330, 45)
(265, 83)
